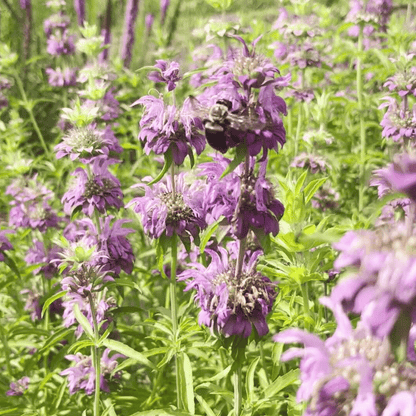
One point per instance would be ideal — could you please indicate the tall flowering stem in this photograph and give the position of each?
(361, 115)
(238, 390)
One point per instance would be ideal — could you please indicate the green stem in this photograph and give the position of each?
(263, 361)
(238, 391)
(174, 307)
(95, 352)
(298, 129)
(6, 352)
(28, 108)
(173, 182)
(362, 125)
(305, 297)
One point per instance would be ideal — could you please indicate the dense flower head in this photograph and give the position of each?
(351, 372)
(373, 12)
(169, 73)
(314, 163)
(400, 176)
(382, 282)
(398, 124)
(165, 128)
(4, 243)
(393, 211)
(81, 376)
(38, 253)
(230, 304)
(58, 20)
(261, 126)
(111, 241)
(326, 198)
(61, 77)
(296, 27)
(247, 200)
(98, 191)
(17, 388)
(108, 106)
(403, 82)
(166, 212)
(87, 142)
(148, 22)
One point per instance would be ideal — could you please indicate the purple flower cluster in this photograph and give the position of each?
(81, 376)
(313, 163)
(352, 372)
(231, 305)
(165, 128)
(168, 74)
(98, 190)
(246, 199)
(50, 256)
(17, 388)
(30, 207)
(4, 243)
(165, 212)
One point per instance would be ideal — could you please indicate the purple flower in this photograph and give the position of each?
(32, 304)
(79, 6)
(398, 124)
(314, 163)
(165, 128)
(132, 9)
(38, 253)
(348, 373)
(394, 210)
(81, 376)
(247, 201)
(59, 21)
(401, 175)
(60, 44)
(375, 12)
(382, 284)
(164, 4)
(169, 73)
(149, 19)
(61, 78)
(325, 199)
(108, 106)
(404, 81)
(99, 191)
(231, 305)
(164, 212)
(19, 387)
(112, 243)
(4, 243)
(88, 142)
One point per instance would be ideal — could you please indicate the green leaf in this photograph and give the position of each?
(205, 407)
(312, 187)
(250, 380)
(53, 339)
(12, 265)
(60, 394)
(196, 71)
(300, 182)
(163, 412)
(208, 233)
(166, 166)
(52, 299)
(83, 321)
(110, 408)
(127, 351)
(240, 155)
(282, 382)
(186, 391)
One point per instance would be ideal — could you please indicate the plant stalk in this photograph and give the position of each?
(238, 391)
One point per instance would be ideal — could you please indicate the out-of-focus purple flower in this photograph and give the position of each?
(165, 128)
(98, 192)
(325, 199)
(148, 21)
(169, 73)
(314, 163)
(4, 102)
(401, 175)
(207, 56)
(88, 142)
(398, 124)
(60, 44)
(61, 78)
(38, 253)
(394, 211)
(30, 208)
(231, 305)
(373, 12)
(351, 372)
(247, 201)
(403, 82)
(5, 83)
(383, 285)
(19, 387)
(164, 4)
(4, 243)
(163, 212)
(112, 242)
(32, 304)
(24, 4)
(132, 9)
(81, 376)
(79, 6)
(294, 26)
(59, 21)
(109, 107)
(106, 33)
